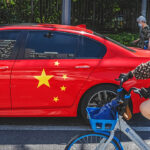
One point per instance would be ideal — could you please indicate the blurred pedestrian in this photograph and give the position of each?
(144, 39)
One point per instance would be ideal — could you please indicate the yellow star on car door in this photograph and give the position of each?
(43, 79)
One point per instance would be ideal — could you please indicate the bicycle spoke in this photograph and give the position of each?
(105, 96)
(99, 96)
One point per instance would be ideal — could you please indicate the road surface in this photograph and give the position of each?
(54, 133)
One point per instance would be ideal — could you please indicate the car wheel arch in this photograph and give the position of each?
(95, 86)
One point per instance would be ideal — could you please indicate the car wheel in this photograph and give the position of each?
(97, 96)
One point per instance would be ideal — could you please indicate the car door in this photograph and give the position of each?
(51, 72)
(8, 50)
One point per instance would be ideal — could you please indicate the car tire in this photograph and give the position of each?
(110, 90)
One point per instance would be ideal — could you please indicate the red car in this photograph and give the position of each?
(56, 70)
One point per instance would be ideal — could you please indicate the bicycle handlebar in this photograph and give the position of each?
(123, 98)
(121, 82)
(136, 90)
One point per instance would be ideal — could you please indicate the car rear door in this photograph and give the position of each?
(8, 49)
(52, 70)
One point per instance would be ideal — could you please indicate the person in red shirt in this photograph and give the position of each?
(141, 72)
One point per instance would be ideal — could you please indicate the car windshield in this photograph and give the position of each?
(109, 39)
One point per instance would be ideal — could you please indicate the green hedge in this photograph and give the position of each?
(124, 38)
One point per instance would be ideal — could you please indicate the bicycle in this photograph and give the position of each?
(103, 137)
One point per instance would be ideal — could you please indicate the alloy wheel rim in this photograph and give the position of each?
(101, 97)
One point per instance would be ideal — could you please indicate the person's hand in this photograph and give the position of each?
(126, 77)
(145, 92)
(135, 41)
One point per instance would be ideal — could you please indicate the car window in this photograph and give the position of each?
(89, 48)
(50, 45)
(116, 42)
(7, 43)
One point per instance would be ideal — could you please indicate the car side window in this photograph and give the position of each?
(89, 48)
(8, 40)
(50, 45)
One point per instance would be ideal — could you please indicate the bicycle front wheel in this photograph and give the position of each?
(92, 141)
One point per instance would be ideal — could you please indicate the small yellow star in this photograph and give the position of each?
(43, 79)
(56, 63)
(64, 77)
(56, 99)
(63, 88)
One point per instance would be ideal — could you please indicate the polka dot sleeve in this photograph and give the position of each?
(142, 71)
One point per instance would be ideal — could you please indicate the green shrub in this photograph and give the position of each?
(124, 38)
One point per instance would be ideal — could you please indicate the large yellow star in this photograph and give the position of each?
(63, 88)
(56, 99)
(43, 79)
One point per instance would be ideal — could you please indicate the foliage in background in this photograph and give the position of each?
(107, 15)
(37, 11)
(98, 15)
(124, 38)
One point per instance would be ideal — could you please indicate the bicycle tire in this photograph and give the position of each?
(76, 143)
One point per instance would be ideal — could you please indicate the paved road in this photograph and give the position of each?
(54, 133)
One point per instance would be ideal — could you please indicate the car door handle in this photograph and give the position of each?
(3, 67)
(83, 67)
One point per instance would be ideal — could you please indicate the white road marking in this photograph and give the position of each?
(57, 128)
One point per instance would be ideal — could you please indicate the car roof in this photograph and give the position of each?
(56, 26)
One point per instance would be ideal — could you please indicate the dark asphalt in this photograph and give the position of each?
(52, 139)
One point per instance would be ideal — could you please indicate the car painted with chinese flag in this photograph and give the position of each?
(49, 70)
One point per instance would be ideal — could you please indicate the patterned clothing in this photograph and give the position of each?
(142, 71)
(144, 36)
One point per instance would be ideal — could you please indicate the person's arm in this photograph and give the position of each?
(135, 41)
(142, 71)
(148, 36)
